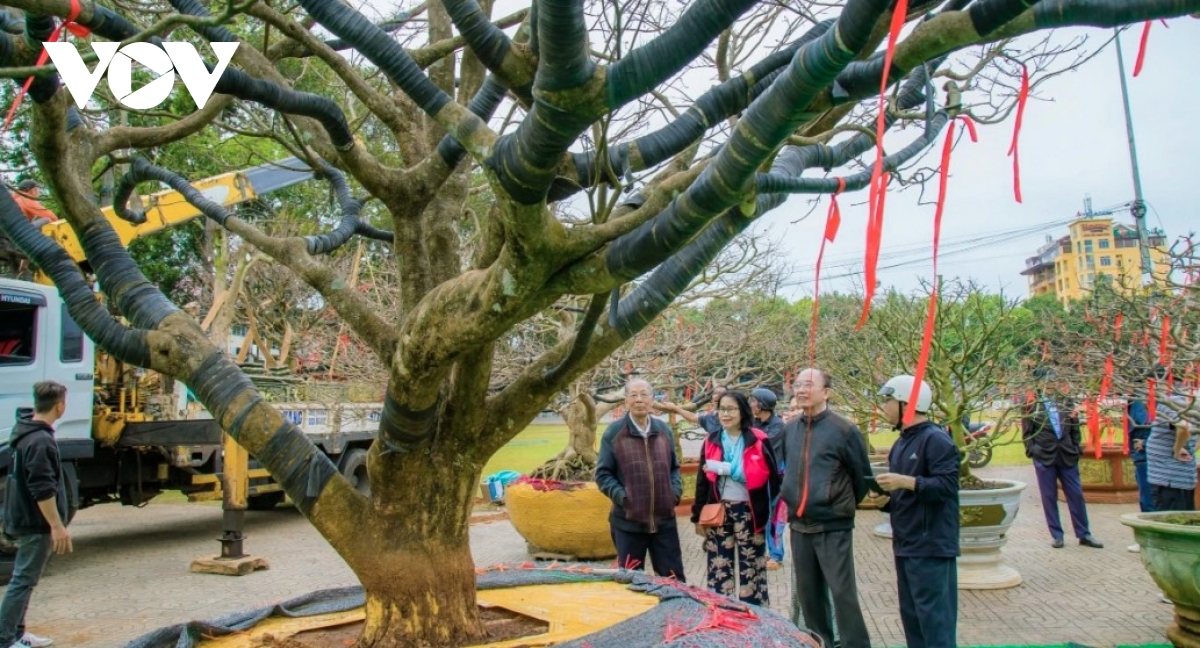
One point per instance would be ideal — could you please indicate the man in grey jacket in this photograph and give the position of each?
(825, 479)
(35, 509)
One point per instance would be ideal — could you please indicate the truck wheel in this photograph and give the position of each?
(265, 502)
(354, 467)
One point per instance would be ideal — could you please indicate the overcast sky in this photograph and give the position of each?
(1073, 143)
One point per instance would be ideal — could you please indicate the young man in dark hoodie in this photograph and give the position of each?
(35, 509)
(923, 503)
(639, 471)
(825, 479)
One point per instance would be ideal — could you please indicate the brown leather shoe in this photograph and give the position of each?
(772, 565)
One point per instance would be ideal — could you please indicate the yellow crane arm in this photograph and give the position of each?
(167, 209)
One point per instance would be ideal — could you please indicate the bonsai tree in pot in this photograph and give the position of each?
(973, 367)
(408, 130)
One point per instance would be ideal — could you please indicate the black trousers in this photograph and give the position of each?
(823, 567)
(928, 589)
(1172, 499)
(663, 545)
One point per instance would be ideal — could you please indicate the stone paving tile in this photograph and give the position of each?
(129, 575)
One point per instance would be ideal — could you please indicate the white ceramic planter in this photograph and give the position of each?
(985, 517)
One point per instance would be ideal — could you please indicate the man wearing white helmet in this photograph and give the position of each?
(923, 485)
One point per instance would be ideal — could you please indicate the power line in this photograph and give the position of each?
(903, 255)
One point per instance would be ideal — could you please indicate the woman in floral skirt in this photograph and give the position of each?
(737, 470)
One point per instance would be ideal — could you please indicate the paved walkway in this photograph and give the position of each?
(129, 574)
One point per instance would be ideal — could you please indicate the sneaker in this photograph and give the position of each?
(36, 641)
(20, 643)
(1134, 548)
(1163, 597)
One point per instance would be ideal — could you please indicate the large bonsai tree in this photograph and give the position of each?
(1127, 339)
(977, 357)
(410, 125)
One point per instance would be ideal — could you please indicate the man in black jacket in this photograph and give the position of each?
(1053, 440)
(35, 509)
(825, 479)
(639, 471)
(923, 501)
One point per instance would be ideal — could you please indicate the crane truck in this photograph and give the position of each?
(121, 439)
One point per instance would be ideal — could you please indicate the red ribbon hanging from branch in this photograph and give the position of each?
(910, 409)
(69, 25)
(833, 220)
(1141, 57)
(1106, 381)
(1013, 151)
(1117, 327)
(1092, 408)
(1152, 399)
(879, 179)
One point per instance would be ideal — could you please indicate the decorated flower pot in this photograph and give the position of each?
(1170, 542)
(985, 516)
(1108, 479)
(566, 520)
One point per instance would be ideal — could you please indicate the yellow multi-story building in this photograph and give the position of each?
(1069, 267)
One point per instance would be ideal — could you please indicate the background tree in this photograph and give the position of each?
(410, 122)
(701, 330)
(1127, 340)
(975, 357)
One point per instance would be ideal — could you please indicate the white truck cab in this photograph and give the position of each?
(39, 341)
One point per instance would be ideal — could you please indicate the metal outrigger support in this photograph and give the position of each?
(235, 485)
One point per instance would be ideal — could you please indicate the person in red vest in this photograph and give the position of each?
(26, 197)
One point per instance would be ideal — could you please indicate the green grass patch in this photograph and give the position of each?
(531, 448)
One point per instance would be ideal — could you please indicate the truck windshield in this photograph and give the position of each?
(17, 333)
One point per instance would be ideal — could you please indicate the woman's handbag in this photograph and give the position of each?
(712, 515)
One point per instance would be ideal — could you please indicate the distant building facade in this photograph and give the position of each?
(1069, 267)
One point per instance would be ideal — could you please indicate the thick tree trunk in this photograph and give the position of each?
(412, 554)
(422, 595)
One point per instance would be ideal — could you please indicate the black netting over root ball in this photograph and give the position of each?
(685, 616)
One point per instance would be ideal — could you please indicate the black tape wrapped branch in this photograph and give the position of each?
(125, 344)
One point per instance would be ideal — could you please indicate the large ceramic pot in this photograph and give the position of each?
(564, 519)
(985, 517)
(1170, 543)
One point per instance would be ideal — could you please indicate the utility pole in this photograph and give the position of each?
(1138, 208)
